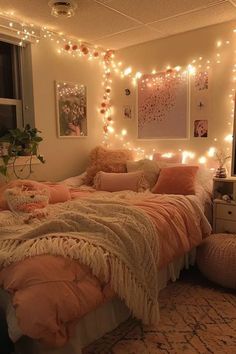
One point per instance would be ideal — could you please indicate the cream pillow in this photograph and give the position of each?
(150, 169)
(115, 182)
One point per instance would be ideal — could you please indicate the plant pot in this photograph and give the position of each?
(221, 172)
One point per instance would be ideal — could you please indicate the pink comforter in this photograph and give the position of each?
(51, 293)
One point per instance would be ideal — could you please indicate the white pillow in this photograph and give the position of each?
(150, 169)
(75, 181)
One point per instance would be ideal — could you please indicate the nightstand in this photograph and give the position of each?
(224, 216)
(224, 213)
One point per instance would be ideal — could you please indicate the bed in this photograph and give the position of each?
(72, 275)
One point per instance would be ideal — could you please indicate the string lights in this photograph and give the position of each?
(70, 46)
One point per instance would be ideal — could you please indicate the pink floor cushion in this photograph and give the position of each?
(216, 259)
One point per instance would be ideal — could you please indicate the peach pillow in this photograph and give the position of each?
(102, 159)
(176, 180)
(115, 182)
(58, 193)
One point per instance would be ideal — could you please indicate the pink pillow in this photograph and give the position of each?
(106, 160)
(175, 158)
(176, 180)
(114, 182)
(58, 193)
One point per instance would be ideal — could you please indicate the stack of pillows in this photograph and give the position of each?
(115, 170)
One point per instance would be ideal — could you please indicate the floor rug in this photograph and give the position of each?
(196, 317)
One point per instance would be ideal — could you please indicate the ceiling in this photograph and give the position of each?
(121, 23)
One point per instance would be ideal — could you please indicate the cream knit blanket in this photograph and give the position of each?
(117, 241)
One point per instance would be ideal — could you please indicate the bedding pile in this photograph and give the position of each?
(123, 238)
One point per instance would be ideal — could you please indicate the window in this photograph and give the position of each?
(16, 97)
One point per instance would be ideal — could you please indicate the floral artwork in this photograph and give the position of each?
(163, 106)
(201, 81)
(201, 128)
(72, 109)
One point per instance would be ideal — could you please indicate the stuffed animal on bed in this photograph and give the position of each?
(28, 203)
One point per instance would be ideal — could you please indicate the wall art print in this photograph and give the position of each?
(71, 103)
(201, 128)
(201, 81)
(127, 112)
(163, 106)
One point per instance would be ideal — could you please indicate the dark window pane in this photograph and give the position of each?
(9, 71)
(7, 118)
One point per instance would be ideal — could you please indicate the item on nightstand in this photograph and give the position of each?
(226, 198)
(216, 259)
(221, 172)
(221, 158)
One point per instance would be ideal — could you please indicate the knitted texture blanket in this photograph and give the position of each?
(117, 241)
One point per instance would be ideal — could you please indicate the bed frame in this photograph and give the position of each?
(104, 319)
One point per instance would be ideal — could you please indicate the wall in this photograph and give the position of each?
(181, 50)
(64, 156)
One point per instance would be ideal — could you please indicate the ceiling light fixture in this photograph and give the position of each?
(63, 8)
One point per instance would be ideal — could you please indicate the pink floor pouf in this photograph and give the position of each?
(216, 259)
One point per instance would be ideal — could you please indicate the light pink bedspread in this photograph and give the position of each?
(51, 293)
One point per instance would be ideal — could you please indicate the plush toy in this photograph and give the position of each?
(29, 203)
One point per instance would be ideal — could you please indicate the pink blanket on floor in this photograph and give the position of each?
(51, 293)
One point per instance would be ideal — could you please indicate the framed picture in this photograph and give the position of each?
(163, 106)
(201, 128)
(71, 101)
(127, 112)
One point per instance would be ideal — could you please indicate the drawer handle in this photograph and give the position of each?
(229, 212)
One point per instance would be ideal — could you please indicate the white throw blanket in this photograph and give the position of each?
(117, 241)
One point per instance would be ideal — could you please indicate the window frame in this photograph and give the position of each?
(25, 113)
(18, 105)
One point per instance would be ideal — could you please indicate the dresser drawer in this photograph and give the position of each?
(225, 226)
(226, 211)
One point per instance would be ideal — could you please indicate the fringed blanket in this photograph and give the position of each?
(117, 241)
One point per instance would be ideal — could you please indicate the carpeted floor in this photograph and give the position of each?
(196, 317)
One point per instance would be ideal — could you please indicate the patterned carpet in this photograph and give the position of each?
(196, 317)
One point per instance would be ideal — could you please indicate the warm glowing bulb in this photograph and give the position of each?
(124, 132)
(168, 155)
(191, 69)
(202, 160)
(127, 71)
(110, 129)
(138, 75)
(186, 155)
(178, 68)
(219, 44)
(211, 152)
(228, 138)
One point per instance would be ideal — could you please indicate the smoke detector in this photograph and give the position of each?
(63, 8)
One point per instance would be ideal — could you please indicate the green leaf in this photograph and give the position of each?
(41, 159)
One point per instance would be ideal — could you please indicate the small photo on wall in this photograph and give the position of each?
(201, 128)
(71, 103)
(127, 112)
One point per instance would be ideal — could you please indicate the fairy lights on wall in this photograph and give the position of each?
(72, 46)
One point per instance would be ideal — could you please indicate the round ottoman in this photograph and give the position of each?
(216, 259)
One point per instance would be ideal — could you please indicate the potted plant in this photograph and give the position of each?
(19, 142)
(221, 158)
